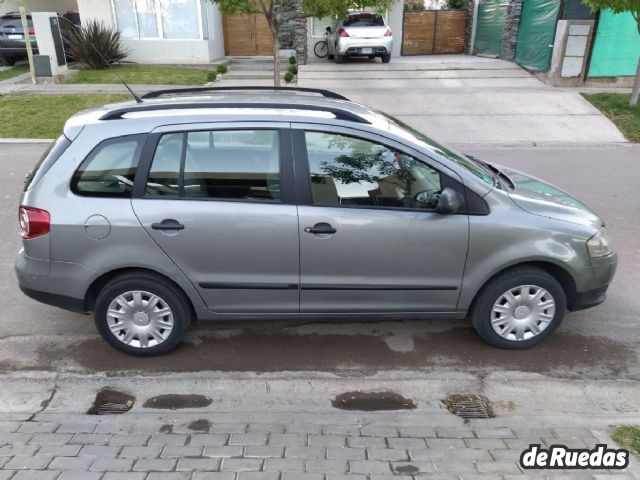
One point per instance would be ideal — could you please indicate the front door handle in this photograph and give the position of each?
(321, 229)
(168, 224)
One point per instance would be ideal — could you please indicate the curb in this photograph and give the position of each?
(634, 464)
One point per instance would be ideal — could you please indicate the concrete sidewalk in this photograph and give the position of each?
(281, 427)
(466, 99)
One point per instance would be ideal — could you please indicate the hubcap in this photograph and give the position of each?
(140, 319)
(522, 312)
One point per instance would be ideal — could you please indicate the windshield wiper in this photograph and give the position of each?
(496, 173)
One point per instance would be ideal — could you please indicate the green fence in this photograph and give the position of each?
(616, 47)
(536, 34)
(491, 20)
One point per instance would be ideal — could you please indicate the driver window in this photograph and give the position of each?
(352, 171)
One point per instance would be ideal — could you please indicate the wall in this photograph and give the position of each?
(394, 19)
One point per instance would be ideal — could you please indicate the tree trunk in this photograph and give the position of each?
(636, 84)
(276, 59)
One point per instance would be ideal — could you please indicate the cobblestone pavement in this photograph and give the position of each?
(198, 449)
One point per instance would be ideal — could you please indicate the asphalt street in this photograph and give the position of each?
(601, 343)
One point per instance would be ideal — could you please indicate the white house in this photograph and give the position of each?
(154, 31)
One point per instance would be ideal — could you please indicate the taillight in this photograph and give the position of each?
(388, 32)
(32, 31)
(343, 33)
(34, 222)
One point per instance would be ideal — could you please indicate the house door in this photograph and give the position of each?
(246, 35)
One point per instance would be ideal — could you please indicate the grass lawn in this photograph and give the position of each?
(628, 437)
(12, 72)
(616, 107)
(140, 74)
(43, 116)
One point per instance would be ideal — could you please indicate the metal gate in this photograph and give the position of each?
(490, 25)
(536, 33)
(434, 31)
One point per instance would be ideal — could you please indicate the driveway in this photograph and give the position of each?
(602, 343)
(466, 99)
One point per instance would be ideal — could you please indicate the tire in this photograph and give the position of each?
(330, 56)
(339, 58)
(321, 49)
(179, 314)
(8, 61)
(523, 316)
(386, 58)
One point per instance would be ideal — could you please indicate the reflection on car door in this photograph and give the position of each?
(216, 202)
(370, 239)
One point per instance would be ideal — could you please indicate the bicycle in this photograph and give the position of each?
(321, 48)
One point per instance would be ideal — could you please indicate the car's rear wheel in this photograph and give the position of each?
(339, 58)
(519, 308)
(386, 58)
(142, 314)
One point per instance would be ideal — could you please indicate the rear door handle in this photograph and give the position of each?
(168, 224)
(321, 228)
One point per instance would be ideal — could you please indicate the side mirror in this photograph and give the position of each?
(449, 202)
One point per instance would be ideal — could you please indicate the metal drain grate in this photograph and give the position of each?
(111, 402)
(469, 406)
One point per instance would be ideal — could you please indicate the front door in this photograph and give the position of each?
(215, 202)
(370, 239)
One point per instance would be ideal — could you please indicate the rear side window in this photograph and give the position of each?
(220, 164)
(110, 168)
(49, 157)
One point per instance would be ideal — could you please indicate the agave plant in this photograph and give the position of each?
(95, 45)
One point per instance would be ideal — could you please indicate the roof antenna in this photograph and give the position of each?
(136, 97)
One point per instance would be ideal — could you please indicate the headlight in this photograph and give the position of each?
(599, 245)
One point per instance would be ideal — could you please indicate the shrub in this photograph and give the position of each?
(293, 69)
(292, 60)
(288, 77)
(222, 69)
(95, 45)
(211, 76)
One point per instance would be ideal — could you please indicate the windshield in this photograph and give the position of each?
(403, 130)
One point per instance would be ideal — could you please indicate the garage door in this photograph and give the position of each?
(246, 35)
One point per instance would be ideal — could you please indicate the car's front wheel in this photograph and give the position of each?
(7, 61)
(142, 314)
(519, 308)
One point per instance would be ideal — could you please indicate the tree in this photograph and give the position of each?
(414, 6)
(270, 10)
(338, 9)
(620, 6)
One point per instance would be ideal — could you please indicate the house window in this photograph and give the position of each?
(169, 19)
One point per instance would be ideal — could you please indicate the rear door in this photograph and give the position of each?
(218, 200)
(370, 239)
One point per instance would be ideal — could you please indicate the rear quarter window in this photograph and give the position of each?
(110, 169)
(48, 158)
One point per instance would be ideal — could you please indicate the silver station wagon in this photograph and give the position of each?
(223, 203)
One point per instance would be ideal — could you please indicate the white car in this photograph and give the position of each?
(361, 34)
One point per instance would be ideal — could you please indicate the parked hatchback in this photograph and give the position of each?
(294, 203)
(361, 34)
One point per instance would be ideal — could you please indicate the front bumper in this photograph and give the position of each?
(352, 46)
(592, 283)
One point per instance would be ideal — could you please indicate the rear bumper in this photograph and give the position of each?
(61, 284)
(350, 46)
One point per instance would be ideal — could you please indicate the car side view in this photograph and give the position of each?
(237, 203)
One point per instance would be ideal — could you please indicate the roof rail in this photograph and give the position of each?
(174, 91)
(338, 112)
